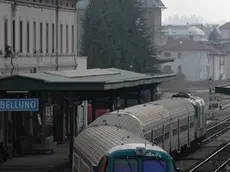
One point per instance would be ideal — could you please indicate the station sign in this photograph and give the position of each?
(12, 105)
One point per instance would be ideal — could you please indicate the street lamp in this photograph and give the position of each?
(210, 80)
(210, 93)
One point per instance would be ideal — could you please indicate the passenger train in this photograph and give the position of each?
(169, 123)
(104, 148)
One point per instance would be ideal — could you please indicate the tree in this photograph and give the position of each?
(114, 36)
(215, 35)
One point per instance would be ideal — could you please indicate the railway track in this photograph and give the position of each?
(222, 167)
(205, 148)
(214, 160)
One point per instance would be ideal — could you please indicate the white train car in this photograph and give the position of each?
(200, 118)
(170, 123)
(110, 149)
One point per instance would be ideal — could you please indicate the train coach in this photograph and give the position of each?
(170, 123)
(110, 149)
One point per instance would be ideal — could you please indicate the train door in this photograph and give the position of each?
(104, 165)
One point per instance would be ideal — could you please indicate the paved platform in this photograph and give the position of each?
(56, 162)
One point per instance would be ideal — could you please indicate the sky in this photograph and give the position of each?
(210, 10)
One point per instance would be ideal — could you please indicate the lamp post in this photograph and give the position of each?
(210, 93)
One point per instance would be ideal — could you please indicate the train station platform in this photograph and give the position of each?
(55, 162)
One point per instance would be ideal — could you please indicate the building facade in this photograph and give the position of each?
(194, 60)
(41, 33)
(183, 31)
(225, 31)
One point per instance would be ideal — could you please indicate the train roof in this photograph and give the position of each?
(140, 118)
(195, 100)
(96, 141)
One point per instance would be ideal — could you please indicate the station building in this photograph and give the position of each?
(42, 109)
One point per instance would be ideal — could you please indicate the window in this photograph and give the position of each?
(158, 139)
(167, 54)
(179, 69)
(52, 38)
(221, 60)
(207, 69)
(75, 163)
(167, 69)
(72, 38)
(166, 135)
(41, 38)
(20, 37)
(179, 55)
(28, 37)
(35, 36)
(147, 136)
(124, 165)
(175, 131)
(183, 128)
(47, 37)
(6, 33)
(67, 38)
(83, 166)
(61, 38)
(13, 35)
(157, 165)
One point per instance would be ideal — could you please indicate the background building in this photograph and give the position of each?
(194, 60)
(41, 32)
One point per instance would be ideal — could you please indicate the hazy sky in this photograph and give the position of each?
(210, 10)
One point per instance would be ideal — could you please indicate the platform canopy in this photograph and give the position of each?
(76, 80)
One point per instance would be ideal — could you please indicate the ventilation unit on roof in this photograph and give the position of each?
(182, 95)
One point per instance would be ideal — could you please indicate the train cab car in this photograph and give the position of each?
(199, 117)
(168, 123)
(110, 149)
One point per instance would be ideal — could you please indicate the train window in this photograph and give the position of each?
(127, 165)
(83, 167)
(75, 162)
(156, 165)
(158, 139)
(158, 131)
(175, 131)
(166, 135)
(183, 128)
(148, 136)
(103, 165)
(191, 124)
(167, 128)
